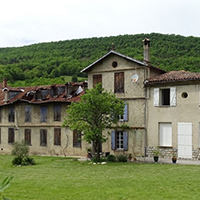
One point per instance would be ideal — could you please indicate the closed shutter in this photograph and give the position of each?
(172, 96)
(125, 116)
(125, 141)
(156, 96)
(119, 82)
(97, 78)
(165, 134)
(113, 140)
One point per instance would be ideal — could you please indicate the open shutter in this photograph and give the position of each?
(156, 96)
(125, 116)
(113, 140)
(125, 141)
(172, 96)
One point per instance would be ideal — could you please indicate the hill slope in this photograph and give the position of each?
(56, 59)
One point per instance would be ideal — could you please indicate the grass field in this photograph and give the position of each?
(60, 178)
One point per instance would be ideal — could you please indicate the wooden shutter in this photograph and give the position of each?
(97, 78)
(165, 133)
(172, 96)
(57, 136)
(27, 136)
(125, 141)
(156, 96)
(43, 114)
(119, 82)
(57, 113)
(113, 145)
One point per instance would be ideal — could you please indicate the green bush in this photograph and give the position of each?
(111, 158)
(20, 151)
(122, 158)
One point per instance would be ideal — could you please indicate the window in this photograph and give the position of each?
(27, 114)
(57, 113)
(11, 114)
(43, 137)
(76, 139)
(119, 140)
(97, 78)
(27, 136)
(119, 82)
(124, 117)
(43, 114)
(165, 96)
(11, 135)
(57, 136)
(165, 134)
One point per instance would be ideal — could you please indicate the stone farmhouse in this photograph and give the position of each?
(161, 110)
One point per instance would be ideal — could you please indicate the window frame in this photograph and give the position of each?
(114, 140)
(27, 136)
(43, 114)
(57, 136)
(97, 78)
(43, 137)
(119, 82)
(11, 114)
(11, 135)
(57, 113)
(77, 139)
(124, 117)
(27, 114)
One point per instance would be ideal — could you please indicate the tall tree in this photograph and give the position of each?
(96, 111)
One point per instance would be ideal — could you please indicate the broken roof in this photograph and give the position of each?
(33, 94)
(121, 55)
(174, 77)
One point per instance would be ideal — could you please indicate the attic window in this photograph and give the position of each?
(114, 64)
(184, 95)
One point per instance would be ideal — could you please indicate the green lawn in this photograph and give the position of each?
(60, 178)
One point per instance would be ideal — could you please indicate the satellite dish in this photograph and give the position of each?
(134, 78)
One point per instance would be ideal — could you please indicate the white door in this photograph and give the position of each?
(184, 140)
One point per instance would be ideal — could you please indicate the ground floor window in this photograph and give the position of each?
(57, 136)
(11, 135)
(27, 136)
(165, 134)
(43, 137)
(76, 139)
(119, 140)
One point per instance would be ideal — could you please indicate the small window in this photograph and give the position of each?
(119, 140)
(184, 95)
(165, 97)
(57, 136)
(124, 117)
(27, 114)
(11, 114)
(11, 135)
(43, 137)
(114, 64)
(57, 113)
(43, 114)
(97, 78)
(119, 82)
(76, 139)
(27, 136)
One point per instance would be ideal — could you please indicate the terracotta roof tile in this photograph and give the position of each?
(174, 76)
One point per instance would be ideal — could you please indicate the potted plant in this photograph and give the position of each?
(130, 156)
(174, 157)
(156, 154)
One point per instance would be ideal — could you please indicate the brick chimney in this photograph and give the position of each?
(4, 83)
(146, 46)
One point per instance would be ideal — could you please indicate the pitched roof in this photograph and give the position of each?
(174, 76)
(123, 56)
(43, 94)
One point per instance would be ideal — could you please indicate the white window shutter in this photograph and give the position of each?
(156, 96)
(172, 96)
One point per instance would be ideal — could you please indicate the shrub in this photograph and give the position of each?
(122, 158)
(20, 151)
(111, 158)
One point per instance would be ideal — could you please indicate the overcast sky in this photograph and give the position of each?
(24, 22)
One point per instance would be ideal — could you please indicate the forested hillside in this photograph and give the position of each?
(51, 61)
